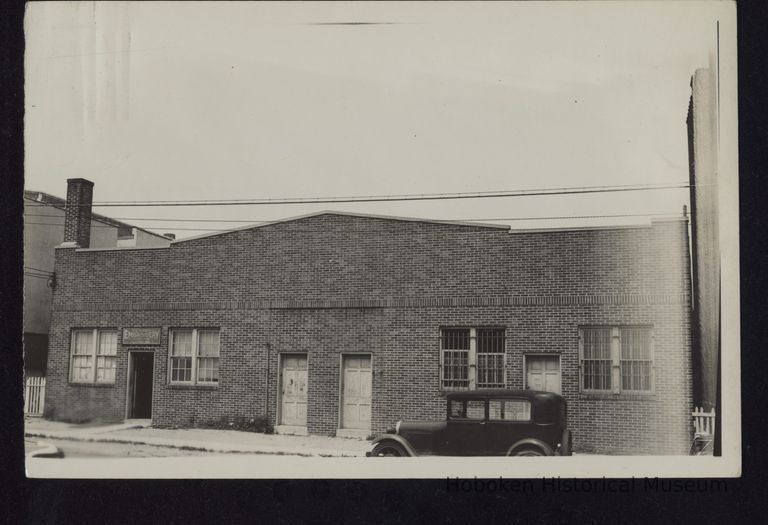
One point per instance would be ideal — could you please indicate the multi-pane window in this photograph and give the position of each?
(617, 359)
(472, 358)
(194, 356)
(636, 361)
(94, 356)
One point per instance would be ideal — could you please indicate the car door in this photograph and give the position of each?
(509, 420)
(465, 432)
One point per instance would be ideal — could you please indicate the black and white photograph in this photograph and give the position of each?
(381, 240)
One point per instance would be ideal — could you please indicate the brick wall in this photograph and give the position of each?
(335, 284)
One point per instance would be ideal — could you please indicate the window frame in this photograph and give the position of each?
(473, 367)
(94, 354)
(195, 357)
(616, 388)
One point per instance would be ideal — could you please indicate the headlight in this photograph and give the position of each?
(397, 426)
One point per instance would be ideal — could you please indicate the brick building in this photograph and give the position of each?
(341, 324)
(44, 221)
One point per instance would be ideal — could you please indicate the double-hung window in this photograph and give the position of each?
(194, 357)
(616, 360)
(472, 358)
(93, 356)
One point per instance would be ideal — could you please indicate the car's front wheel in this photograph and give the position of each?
(388, 449)
(529, 450)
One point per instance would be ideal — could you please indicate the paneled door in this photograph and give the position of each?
(356, 392)
(293, 394)
(543, 373)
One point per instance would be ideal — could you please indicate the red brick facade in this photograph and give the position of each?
(331, 284)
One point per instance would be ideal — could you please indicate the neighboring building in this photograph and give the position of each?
(44, 217)
(341, 324)
(705, 237)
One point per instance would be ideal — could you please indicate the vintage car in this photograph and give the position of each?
(485, 423)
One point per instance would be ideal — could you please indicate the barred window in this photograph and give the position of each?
(93, 356)
(472, 358)
(617, 359)
(194, 356)
(636, 362)
(596, 359)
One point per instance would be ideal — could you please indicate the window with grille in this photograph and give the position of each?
(472, 358)
(617, 359)
(194, 356)
(93, 356)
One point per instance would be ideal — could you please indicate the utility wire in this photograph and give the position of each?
(176, 228)
(382, 198)
(245, 221)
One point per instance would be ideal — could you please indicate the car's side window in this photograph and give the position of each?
(475, 409)
(467, 409)
(457, 409)
(517, 410)
(509, 410)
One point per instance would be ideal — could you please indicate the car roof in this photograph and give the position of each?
(502, 392)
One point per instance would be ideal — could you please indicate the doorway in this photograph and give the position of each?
(293, 390)
(356, 392)
(141, 367)
(542, 372)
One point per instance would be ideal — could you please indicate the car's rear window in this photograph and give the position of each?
(509, 410)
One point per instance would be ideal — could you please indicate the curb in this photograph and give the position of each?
(49, 451)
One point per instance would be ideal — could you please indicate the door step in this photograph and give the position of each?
(291, 430)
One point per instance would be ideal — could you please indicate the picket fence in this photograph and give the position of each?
(34, 396)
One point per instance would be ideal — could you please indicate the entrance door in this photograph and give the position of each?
(356, 392)
(140, 385)
(293, 395)
(543, 373)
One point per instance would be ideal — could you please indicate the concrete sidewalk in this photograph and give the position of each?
(227, 441)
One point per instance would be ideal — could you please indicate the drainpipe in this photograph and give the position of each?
(266, 402)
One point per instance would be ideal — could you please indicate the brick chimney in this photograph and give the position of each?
(77, 219)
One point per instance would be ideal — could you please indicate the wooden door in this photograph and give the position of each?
(293, 395)
(356, 392)
(543, 373)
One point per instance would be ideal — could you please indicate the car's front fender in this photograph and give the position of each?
(397, 439)
(534, 442)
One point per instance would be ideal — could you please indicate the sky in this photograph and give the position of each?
(189, 101)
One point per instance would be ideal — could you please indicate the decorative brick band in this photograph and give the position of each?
(399, 302)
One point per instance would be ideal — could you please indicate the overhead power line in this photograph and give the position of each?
(383, 198)
(560, 217)
(248, 221)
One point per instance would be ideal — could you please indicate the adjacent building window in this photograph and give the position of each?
(94, 356)
(472, 358)
(194, 357)
(616, 359)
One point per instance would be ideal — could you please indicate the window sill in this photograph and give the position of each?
(192, 387)
(624, 396)
(93, 385)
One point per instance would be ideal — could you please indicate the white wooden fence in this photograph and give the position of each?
(703, 422)
(34, 396)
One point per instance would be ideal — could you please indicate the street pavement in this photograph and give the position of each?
(126, 437)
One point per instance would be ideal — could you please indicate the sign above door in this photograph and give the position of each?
(142, 336)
